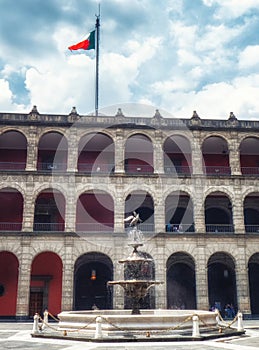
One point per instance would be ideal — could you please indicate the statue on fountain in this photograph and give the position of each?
(135, 235)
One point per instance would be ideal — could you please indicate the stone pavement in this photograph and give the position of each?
(18, 336)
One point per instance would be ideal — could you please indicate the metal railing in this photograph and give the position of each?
(10, 226)
(184, 170)
(144, 227)
(94, 227)
(252, 228)
(12, 166)
(48, 226)
(179, 228)
(139, 169)
(52, 166)
(250, 170)
(219, 228)
(217, 170)
(104, 168)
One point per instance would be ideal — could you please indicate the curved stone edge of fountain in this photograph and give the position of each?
(152, 320)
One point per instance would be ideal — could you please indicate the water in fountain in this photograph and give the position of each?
(135, 286)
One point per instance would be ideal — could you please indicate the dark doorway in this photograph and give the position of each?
(92, 272)
(36, 303)
(253, 273)
(181, 287)
(222, 282)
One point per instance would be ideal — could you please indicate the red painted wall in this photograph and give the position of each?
(9, 279)
(11, 209)
(216, 160)
(95, 209)
(49, 263)
(13, 156)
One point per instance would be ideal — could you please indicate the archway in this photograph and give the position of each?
(11, 209)
(180, 281)
(139, 155)
(142, 203)
(177, 155)
(92, 272)
(249, 156)
(95, 212)
(218, 213)
(179, 212)
(13, 150)
(52, 152)
(46, 284)
(251, 212)
(96, 153)
(49, 212)
(9, 268)
(215, 156)
(253, 274)
(222, 281)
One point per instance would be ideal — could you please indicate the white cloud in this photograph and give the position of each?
(249, 57)
(232, 8)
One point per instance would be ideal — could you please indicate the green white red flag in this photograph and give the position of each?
(87, 44)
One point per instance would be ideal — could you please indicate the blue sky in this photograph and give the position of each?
(174, 55)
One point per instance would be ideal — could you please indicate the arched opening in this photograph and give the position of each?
(177, 155)
(142, 203)
(253, 275)
(179, 213)
(13, 151)
(11, 209)
(215, 156)
(147, 272)
(95, 212)
(49, 212)
(46, 284)
(180, 281)
(139, 155)
(52, 152)
(251, 212)
(222, 282)
(218, 213)
(249, 156)
(92, 272)
(9, 269)
(96, 154)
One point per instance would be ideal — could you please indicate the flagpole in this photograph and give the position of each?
(97, 26)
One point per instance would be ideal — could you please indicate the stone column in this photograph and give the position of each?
(72, 156)
(119, 152)
(32, 149)
(159, 215)
(197, 158)
(198, 206)
(238, 210)
(119, 214)
(158, 155)
(118, 275)
(160, 275)
(242, 280)
(71, 200)
(234, 157)
(68, 275)
(29, 206)
(24, 278)
(202, 296)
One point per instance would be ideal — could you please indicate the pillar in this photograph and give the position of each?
(119, 149)
(32, 149)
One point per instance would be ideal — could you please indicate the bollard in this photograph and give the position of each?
(35, 329)
(195, 327)
(45, 319)
(240, 327)
(98, 329)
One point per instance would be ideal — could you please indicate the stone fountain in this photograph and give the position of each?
(135, 323)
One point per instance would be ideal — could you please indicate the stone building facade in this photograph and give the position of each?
(68, 181)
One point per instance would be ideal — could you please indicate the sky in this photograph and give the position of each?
(173, 55)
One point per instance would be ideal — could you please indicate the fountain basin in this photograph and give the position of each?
(124, 321)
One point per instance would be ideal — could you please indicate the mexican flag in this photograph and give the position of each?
(87, 44)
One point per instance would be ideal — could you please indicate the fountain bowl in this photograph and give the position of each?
(123, 321)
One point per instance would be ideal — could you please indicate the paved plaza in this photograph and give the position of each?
(18, 336)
